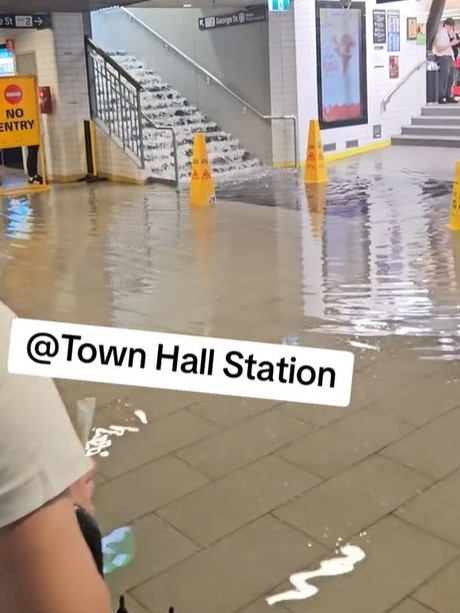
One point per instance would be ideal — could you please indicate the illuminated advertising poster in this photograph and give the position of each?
(7, 63)
(342, 82)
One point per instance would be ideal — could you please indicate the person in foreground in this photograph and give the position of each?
(45, 563)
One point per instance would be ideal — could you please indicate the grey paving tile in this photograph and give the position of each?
(122, 500)
(442, 592)
(437, 509)
(353, 500)
(409, 605)
(232, 573)
(316, 415)
(225, 505)
(155, 440)
(421, 401)
(399, 558)
(227, 411)
(131, 604)
(260, 606)
(243, 444)
(158, 547)
(432, 449)
(370, 385)
(338, 446)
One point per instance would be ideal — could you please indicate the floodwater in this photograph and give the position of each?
(367, 257)
(365, 263)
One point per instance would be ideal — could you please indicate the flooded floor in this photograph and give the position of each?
(229, 498)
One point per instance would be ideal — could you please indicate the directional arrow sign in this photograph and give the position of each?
(34, 21)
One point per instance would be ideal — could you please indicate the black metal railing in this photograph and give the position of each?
(115, 100)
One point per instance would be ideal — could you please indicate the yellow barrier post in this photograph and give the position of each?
(454, 221)
(20, 125)
(315, 166)
(202, 189)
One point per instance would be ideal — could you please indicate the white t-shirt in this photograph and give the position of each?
(442, 39)
(40, 453)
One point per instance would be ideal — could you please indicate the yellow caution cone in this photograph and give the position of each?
(202, 190)
(316, 198)
(315, 166)
(454, 221)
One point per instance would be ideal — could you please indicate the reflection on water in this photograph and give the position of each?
(367, 256)
(385, 263)
(19, 213)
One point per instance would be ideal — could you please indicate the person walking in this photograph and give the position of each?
(443, 49)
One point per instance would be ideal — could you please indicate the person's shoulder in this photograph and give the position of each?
(40, 453)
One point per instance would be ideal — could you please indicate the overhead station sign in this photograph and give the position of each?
(19, 113)
(258, 13)
(33, 21)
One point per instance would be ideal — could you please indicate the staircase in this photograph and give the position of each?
(166, 107)
(438, 126)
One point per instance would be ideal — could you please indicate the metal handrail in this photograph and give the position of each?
(404, 80)
(141, 117)
(106, 57)
(220, 83)
(174, 144)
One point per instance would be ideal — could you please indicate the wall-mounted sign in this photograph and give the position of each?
(240, 18)
(380, 27)
(342, 65)
(19, 116)
(279, 5)
(394, 32)
(34, 21)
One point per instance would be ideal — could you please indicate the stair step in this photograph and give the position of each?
(166, 106)
(432, 120)
(441, 110)
(426, 141)
(432, 130)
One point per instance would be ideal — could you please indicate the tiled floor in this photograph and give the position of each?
(229, 497)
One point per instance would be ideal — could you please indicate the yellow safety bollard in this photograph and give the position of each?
(315, 166)
(202, 189)
(454, 221)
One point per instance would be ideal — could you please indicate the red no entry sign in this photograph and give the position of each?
(13, 94)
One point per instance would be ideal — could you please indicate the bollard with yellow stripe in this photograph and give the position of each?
(454, 221)
(202, 189)
(315, 166)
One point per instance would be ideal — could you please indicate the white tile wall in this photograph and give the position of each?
(113, 162)
(283, 81)
(293, 73)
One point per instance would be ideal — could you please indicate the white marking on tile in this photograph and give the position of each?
(142, 417)
(328, 568)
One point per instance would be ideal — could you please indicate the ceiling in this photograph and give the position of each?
(25, 7)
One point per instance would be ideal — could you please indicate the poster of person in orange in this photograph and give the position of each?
(340, 64)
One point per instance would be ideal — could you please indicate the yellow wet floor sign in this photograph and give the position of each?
(202, 189)
(315, 165)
